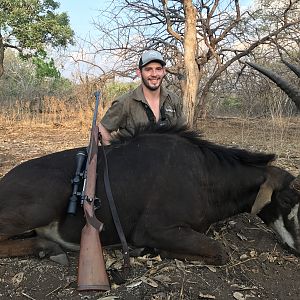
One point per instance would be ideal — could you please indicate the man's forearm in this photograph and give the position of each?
(105, 135)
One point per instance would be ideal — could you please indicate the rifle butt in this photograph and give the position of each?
(91, 269)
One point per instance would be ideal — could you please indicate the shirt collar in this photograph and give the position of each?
(139, 95)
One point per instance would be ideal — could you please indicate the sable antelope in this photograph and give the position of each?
(168, 187)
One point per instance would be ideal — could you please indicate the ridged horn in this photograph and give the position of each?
(294, 68)
(263, 198)
(291, 90)
(274, 181)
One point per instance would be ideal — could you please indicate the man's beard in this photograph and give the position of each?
(152, 87)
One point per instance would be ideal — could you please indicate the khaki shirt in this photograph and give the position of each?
(127, 112)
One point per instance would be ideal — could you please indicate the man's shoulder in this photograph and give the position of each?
(126, 97)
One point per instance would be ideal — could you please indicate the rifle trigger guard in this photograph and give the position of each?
(97, 203)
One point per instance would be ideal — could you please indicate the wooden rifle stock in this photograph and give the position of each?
(91, 269)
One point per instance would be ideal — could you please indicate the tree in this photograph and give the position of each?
(200, 39)
(24, 81)
(45, 67)
(30, 26)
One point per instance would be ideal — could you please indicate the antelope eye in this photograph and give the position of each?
(286, 199)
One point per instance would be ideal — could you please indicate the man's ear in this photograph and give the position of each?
(138, 73)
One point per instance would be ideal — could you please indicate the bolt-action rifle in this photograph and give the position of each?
(91, 269)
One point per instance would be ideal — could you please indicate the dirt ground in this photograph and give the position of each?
(259, 268)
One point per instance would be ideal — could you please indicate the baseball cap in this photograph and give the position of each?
(149, 56)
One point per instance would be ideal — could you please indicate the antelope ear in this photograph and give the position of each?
(263, 197)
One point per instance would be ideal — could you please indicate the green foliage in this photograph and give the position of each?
(30, 26)
(116, 89)
(33, 23)
(20, 81)
(45, 67)
(231, 102)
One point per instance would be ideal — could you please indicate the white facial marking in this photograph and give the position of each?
(294, 215)
(279, 227)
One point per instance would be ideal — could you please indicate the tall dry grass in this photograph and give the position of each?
(78, 113)
(51, 112)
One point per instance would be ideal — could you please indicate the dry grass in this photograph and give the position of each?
(72, 120)
(273, 135)
(54, 112)
(27, 133)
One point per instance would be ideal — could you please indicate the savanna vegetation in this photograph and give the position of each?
(205, 43)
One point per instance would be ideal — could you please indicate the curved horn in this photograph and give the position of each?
(263, 198)
(274, 181)
(291, 90)
(294, 68)
(295, 184)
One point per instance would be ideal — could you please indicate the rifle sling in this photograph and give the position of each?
(114, 213)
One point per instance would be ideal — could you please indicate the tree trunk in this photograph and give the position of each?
(1, 55)
(191, 67)
(201, 106)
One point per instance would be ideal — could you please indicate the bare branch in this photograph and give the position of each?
(169, 23)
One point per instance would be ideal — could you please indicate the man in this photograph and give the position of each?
(149, 103)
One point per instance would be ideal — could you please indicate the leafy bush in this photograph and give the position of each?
(231, 102)
(115, 89)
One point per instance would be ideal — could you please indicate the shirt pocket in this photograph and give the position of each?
(170, 113)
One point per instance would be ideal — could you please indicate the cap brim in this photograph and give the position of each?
(163, 63)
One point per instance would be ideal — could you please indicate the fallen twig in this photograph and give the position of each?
(58, 288)
(27, 296)
(240, 262)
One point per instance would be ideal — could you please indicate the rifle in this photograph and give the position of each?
(91, 269)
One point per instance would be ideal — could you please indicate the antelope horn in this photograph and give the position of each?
(263, 197)
(273, 181)
(294, 68)
(295, 184)
(291, 90)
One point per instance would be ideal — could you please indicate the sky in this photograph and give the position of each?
(82, 13)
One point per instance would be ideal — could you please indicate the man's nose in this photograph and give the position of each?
(154, 72)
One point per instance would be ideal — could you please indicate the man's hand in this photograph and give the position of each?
(104, 135)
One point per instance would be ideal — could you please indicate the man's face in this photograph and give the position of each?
(152, 75)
